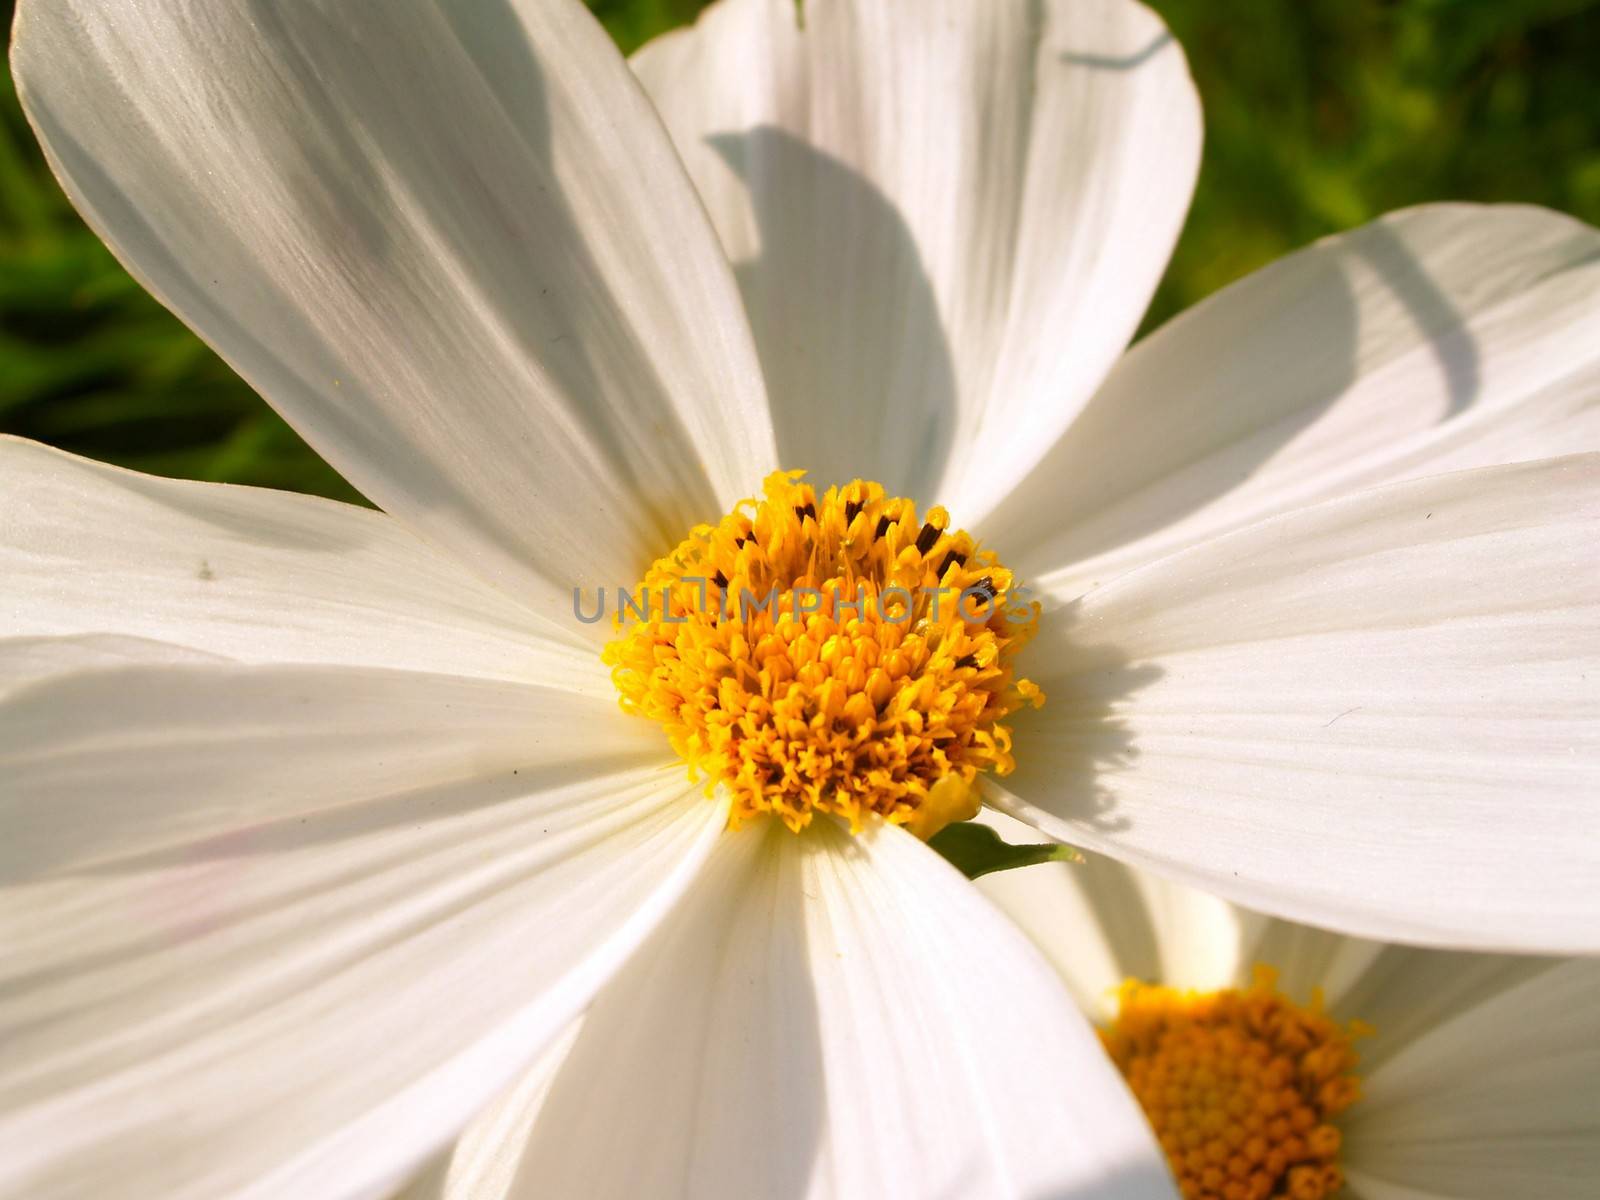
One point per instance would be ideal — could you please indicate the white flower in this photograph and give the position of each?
(322, 824)
(1479, 1079)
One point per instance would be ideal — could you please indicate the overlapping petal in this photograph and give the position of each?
(1377, 714)
(26, 660)
(947, 218)
(1100, 923)
(113, 559)
(827, 1016)
(482, 1165)
(274, 930)
(448, 240)
(1435, 339)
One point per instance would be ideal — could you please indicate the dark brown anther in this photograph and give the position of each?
(720, 579)
(926, 539)
(851, 511)
(985, 588)
(954, 556)
(743, 540)
(967, 660)
(883, 528)
(805, 510)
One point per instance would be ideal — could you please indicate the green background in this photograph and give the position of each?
(1320, 114)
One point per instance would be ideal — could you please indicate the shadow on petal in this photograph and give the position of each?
(858, 367)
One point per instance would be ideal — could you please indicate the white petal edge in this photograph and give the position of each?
(316, 988)
(27, 660)
(482, 1165)
(253, 575)
(449, 241)
(828, 1017)
(1100, 922)
(947, 217)
(1435, 339)
(1379, 714)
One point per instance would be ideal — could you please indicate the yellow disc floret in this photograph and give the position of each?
(833, 654)
(1241, 1087)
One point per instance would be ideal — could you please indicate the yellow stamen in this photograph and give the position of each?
(830, 654)
(1241, 1086)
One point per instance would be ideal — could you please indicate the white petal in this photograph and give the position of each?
(1433, 340)
(253, 575)
(1100, 922)
(110, 764)
(25, 660)
(483, 1163)
(1499, 1096)
(824, 1016)
(449, 241)
(947, 217)
(279, 931)
(1379, 714)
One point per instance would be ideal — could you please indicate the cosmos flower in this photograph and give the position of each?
(1409, 1073)
(324, 824)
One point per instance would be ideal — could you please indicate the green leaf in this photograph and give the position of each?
(975, 850)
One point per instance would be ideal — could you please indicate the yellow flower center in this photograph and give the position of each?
(1241, 1087)
(831, 654)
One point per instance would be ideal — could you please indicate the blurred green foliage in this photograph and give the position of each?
(1320, 114)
